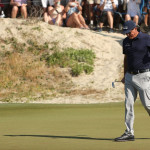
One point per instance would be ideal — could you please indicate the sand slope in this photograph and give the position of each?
(108, 63)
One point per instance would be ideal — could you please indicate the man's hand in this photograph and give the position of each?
(123, 80)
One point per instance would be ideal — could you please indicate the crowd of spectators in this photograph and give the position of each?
(84, 14)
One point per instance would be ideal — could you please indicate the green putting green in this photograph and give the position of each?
(70, 127)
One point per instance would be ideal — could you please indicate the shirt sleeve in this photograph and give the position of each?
(123, 45)
(148, 41)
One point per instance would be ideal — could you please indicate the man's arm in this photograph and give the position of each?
(125, 68)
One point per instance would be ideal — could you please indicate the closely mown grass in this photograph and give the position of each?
(31, 70)
(70, 127)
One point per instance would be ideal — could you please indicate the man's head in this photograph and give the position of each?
(130, 29)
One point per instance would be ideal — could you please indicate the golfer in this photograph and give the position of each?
(136, 48)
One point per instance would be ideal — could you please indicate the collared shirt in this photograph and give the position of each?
(137, 51)
(108, 5)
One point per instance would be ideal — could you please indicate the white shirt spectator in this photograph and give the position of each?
(108, 5)
(46, 2)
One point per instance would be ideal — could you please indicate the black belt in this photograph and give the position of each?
(139, 71)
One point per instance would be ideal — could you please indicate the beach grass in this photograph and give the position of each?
(70, 127)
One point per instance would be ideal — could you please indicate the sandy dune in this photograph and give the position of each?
(108, 63)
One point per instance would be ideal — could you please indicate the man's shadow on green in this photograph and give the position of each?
(62, 137)
(71, 137)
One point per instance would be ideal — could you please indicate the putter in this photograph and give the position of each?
(113, 83)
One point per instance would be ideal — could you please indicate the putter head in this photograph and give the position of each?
(113, 84)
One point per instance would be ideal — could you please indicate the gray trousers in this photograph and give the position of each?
(134, 84)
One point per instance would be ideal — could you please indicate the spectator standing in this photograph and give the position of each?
(107, 8)
(89, 10)
(147, 13)
(133, 11)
